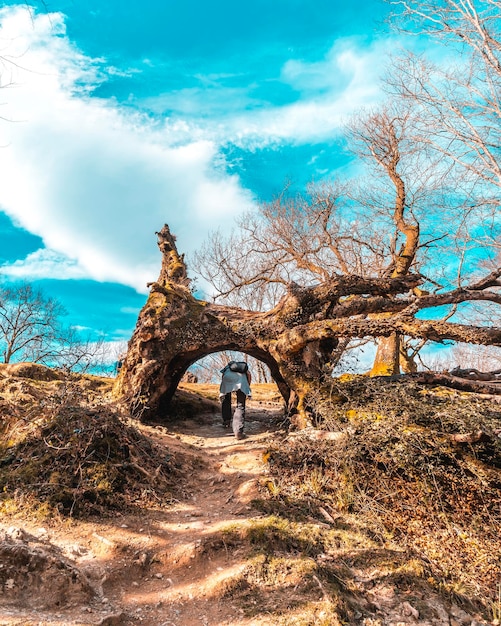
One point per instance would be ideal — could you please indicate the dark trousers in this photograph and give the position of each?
(238, 415)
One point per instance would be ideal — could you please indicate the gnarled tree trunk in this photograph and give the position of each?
(295, 339)
(174, 330)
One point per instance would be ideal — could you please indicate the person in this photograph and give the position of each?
(235, 377)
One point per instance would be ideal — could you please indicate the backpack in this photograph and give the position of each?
(238, 366)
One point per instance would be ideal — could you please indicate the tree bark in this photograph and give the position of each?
(387, 359)
(295, 339)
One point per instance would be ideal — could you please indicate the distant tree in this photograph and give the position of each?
(31, 329)
(30, 324)
(303, 237)
(76, 353)
(208, 369)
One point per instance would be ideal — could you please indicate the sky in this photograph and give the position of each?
(118, 117)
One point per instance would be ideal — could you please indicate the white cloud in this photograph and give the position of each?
(328, 91)
(93, 182)
(42, 264)
(96, 181)
(348, 61)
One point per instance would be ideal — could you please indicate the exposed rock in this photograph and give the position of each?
(113, 620)
(461, 616)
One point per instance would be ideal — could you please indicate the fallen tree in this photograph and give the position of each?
(295, 339)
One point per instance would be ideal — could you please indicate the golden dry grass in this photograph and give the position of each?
(261, 392)
(401, 469)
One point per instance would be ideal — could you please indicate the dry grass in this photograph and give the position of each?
(287, 574)
(65, 450)
(401, 470)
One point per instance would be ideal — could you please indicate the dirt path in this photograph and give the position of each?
(164, 567)
(220, 495)
(183, 565)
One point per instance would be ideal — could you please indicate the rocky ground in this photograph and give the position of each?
(213, 554)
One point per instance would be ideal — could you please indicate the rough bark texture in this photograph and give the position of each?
(295, 339)
(387, 359)
(174, 330)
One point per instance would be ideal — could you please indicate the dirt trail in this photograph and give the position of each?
(220, 495)
(158, 568)
(182, 565)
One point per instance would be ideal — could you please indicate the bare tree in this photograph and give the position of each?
(459, 98)
(380, 136)
(404, 198)
(30, 324)
(459, 117)
(431, 205)
(298, 237)
(302, 238)
(31, 329)
(76, 353)
(466, 357)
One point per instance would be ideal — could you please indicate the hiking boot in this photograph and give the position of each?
(240, 436)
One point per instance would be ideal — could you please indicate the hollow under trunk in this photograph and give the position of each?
(297, 339)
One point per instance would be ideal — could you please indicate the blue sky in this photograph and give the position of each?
(118, 117)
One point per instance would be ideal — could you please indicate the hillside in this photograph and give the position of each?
(388, 515)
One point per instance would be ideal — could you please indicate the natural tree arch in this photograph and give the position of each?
(295, 339)
(175, 330)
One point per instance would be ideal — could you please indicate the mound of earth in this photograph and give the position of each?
(34, 371)
(64, 447)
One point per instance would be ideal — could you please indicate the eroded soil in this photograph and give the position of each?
(183, 565)
(153, 568)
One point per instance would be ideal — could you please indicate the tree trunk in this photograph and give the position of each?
(387, 359)
(295, 339)
(408, 363)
